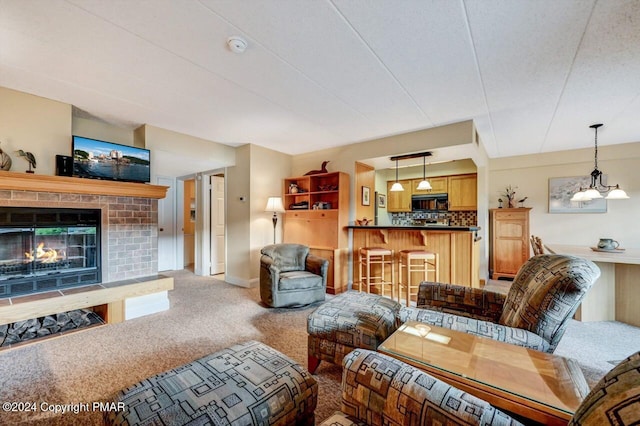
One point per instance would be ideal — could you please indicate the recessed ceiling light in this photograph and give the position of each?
(236, 44)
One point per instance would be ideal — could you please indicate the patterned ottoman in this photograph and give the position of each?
(246, 384)
(349, 321)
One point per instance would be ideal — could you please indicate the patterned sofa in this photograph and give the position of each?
(379, 390)
(246, 384)
(544, 295)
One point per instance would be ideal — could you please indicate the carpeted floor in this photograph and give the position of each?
(207, 315)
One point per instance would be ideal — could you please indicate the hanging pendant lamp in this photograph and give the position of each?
(424, 184)
(397, 186)
(596, 188)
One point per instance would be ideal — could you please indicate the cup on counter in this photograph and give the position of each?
(608, 244)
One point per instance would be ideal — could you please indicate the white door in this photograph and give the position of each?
(217, 225)
(166, 226)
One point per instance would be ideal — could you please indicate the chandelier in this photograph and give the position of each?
(596, 189)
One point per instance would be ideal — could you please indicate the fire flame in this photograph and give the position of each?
(44, 255)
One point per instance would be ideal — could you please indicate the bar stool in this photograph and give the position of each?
(368, 258)
(415, 261)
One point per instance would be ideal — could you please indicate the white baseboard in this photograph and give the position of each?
(135, 307)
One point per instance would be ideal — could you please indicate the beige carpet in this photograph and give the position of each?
(207, 315)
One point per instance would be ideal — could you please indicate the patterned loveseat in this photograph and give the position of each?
(544, 295)
(379, 390)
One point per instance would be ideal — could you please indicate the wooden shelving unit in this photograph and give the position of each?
(320, 219)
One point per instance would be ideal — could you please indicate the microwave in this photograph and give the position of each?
(430, 203)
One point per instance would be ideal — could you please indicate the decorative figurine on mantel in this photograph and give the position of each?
(323, 169)
(29, 157)
(5, 161)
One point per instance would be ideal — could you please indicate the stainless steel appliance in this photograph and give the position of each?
(430, 203)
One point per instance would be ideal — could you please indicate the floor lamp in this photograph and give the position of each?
(274, 204)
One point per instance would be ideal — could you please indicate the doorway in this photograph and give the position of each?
(218, 246)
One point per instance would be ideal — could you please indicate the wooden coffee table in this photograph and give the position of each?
(536, 385)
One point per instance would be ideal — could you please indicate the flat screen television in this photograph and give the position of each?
(97, 159)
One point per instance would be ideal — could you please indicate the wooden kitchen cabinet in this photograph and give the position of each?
(509, 241)
(439, 185)
(399, 201)
(463, 192)
(321, 229)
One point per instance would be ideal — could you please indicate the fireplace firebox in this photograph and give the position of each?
(43, 249)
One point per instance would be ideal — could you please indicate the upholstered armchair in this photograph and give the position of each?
(290, 276)
(544, 295)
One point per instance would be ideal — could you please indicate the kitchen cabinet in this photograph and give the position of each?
(463, 192)
(509, 247)
(439, 185)
(399, 201)
(317, 211)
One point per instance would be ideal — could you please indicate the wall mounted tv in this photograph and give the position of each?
(97, 159)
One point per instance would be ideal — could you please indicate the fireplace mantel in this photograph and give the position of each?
(72, 185)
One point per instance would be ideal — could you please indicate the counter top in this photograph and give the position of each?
(417, 227)
(628, 256)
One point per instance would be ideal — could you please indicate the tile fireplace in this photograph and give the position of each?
(44, 249)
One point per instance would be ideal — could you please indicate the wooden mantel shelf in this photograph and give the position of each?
(72, 185)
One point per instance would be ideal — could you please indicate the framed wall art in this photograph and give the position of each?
(366, 196)
(561, 191)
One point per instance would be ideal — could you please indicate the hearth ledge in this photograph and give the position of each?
(109, 300)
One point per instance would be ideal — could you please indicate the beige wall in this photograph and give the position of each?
(257, 175)
(94, 129)
(268, 169)
(531, 173)
(38, 125)
(175, 154)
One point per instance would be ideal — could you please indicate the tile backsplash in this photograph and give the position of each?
(457, 218)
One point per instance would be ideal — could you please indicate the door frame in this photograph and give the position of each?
(203, 231)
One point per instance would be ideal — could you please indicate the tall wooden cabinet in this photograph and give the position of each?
(509, 241)
(317, 212)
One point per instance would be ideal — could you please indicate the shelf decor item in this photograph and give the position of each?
(5, 161)
(323, 169)
(29, 157)
(510, 194)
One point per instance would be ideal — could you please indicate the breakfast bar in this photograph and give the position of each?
(614, 297)
(457, 247)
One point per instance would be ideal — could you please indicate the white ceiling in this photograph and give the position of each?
(533, 75)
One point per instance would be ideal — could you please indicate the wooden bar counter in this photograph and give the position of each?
(457, 248)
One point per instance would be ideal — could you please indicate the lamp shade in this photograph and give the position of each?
(592, 194)
(274, 204)
(579, 196)
(617, 194)
(396, 187)
(424, 185)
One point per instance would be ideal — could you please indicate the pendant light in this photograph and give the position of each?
(397, 186)
(596, 187)
(424, 184)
